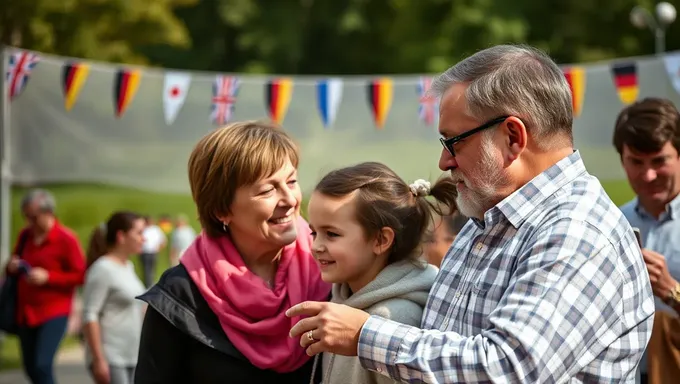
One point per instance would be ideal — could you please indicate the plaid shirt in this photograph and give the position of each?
(550, 288)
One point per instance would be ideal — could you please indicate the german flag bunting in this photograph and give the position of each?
(73, 77)
(379, 94)
(125, 88)
(278, 93)
(576, 77)
(626, 81)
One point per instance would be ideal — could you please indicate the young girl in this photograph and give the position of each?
(112, 318)
(367, 225)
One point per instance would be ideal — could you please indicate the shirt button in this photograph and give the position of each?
(479, 246)
(457, 294)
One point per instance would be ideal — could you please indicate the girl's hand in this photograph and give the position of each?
(100, 370)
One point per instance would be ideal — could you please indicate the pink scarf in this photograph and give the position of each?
(252, 315)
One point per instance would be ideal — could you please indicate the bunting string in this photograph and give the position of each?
(279, 90)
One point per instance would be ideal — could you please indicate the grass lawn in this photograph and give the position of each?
(82, 207)
(11, 359)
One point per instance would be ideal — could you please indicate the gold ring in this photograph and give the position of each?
(310, 336)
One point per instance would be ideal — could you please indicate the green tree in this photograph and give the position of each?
(320, 36)
(94, 29)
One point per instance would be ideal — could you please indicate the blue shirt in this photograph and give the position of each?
(549, 287)
(660, 235)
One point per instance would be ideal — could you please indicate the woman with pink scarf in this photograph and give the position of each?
(219, 316)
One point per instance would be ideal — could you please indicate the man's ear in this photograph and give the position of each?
(516, 137)
(384, 240)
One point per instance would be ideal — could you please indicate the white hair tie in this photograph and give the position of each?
(420, 188)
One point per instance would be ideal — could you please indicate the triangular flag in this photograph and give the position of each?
(576, 77)
(428, 105)
(379, 94)
(224, 92)
(20, 65)
(125, 88)
(73, 77)
(626, 81)
(672, 63)
(175, 90)
(328, 96)
(278, 93)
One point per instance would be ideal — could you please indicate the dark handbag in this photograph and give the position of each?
(8, 295)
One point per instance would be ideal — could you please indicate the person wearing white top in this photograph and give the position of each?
(112, 318)
(181, 239)
(154, 242)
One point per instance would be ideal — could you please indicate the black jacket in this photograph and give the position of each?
(183, 342)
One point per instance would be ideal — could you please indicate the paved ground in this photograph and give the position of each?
(70, 369)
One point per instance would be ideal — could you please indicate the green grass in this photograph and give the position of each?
(11, 358)
(82, 207)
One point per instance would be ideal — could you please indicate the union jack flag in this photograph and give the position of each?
(20, 66)
(428, 104)
(225, 89)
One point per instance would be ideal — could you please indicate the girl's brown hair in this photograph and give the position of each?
(383, 199)
(104, 236)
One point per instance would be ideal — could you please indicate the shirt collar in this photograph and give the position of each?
(672, 209)
(517, 207)
(53, 233)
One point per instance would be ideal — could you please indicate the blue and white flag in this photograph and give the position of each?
(329, 95)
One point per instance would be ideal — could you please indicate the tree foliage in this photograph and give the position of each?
(320, 36)
(112, 30)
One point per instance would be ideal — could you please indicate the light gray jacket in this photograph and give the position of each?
(398, 293)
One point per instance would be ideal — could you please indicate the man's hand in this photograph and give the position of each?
(661, 279)
(37, 276)
(334, 327)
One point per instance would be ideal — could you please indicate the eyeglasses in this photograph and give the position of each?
(449, 143)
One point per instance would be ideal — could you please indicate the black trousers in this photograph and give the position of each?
(149, 268)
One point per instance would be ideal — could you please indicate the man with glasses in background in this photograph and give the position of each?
(548, 285)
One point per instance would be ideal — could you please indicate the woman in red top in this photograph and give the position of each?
(52, 265)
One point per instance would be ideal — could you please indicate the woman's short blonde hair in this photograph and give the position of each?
(233, 156)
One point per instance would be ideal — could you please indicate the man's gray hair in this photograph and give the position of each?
(44, 198)
(514, 80)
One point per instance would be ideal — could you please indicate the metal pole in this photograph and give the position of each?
(5, 171)
(660, 40)
(5, 203)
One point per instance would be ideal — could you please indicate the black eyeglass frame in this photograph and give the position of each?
(451, 141)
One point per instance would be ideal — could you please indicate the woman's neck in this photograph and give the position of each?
(118, 256)
(259, 261)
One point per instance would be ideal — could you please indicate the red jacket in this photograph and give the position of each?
(61, 255)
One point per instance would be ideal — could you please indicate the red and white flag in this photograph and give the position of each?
(174, 94)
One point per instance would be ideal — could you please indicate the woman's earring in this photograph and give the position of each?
(224, 227)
